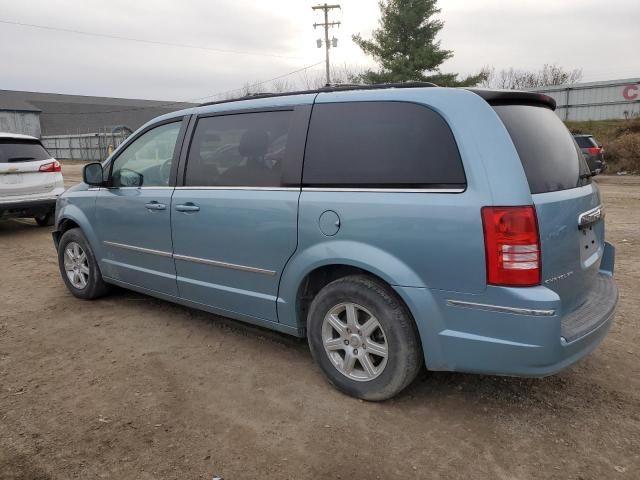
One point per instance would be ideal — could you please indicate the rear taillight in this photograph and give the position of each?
(51, 167)
(512, 246)
(594, 150)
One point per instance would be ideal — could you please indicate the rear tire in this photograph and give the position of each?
(78, 266)
(363, 338)
(45, 220)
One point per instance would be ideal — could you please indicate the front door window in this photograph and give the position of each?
(146, 162)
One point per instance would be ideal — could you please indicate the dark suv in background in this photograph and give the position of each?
(592, 151)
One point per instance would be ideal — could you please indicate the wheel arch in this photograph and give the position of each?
(317, 279)
(313, 268)
(66, 224)
(73, 217)
(62, 226)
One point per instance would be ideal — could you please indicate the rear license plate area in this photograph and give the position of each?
(589, 244)
(11, 179)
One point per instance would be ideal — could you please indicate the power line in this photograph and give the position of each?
(163, 105)
(152, 42)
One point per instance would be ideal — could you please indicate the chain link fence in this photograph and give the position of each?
(88, 147)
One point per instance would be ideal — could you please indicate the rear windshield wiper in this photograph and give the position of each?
(20, 159)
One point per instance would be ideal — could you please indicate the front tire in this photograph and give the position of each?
(78, 266)
(363, 338)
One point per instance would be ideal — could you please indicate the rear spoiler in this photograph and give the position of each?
(514, 97)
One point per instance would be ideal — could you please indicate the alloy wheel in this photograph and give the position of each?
(76, 265)
(355, 342)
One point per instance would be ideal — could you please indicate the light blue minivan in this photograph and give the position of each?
(393, 226)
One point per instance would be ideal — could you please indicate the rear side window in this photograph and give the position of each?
(550, 157)
(240, 150)
(381, 145)
(18, 150)
(585, 142)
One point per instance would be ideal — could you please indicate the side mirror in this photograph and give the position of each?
(92, 174)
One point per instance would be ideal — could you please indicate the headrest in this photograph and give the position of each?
(254, 143)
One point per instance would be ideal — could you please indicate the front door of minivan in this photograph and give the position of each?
(234, 220)
(133, 221)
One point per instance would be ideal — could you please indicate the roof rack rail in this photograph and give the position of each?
(336, 87)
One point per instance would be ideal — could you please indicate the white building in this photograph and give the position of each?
(613, 99)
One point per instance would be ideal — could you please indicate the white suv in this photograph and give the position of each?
(30, 179)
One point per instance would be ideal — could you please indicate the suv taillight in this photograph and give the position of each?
(594, 150)
(51, 167)
(512, 246)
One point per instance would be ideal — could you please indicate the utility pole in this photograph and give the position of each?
(326, 26)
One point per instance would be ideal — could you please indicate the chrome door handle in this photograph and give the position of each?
(187, 207)
(155, 206)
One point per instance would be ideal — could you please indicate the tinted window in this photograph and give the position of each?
(380, 144)
(13, 150)
(549, 155)
(585, 142)
(242, 150)
(146, 162)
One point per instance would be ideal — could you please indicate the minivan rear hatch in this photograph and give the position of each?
(563, 196)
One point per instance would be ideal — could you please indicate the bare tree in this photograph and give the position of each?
(556, 75)
(247, 89)
(310, 79)
(514, 79)
(282, 85)
(305, 80)
(345, 73)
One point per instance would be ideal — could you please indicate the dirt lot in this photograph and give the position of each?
(129, 387)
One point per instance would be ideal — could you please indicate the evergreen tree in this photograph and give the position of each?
(406, 47)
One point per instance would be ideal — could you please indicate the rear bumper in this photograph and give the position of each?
(596, 163)
(26, 208)
(526, 335)
(598, 167)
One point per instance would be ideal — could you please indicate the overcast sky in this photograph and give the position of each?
(602, 38)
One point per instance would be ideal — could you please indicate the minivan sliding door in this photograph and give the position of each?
(234, 220)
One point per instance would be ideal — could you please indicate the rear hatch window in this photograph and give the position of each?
(586, 142)
(550, 157)
(14, 150)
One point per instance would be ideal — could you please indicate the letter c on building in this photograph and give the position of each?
(630, 92)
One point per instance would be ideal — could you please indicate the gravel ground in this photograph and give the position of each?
(129, 387)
